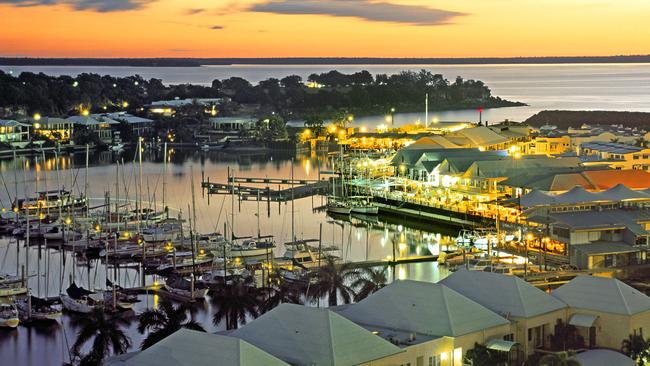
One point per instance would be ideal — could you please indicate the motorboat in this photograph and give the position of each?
(9, 317)
(472, 238)
(303, 255)
(186, 264)
(57, 200)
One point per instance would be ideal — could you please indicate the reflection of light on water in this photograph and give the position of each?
(358, 235)
(401, 273)
(402, 249)
(306, 165)
(382, 241)
(155, 300)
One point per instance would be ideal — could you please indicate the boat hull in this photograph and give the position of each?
(365, 210)
(9, 323)
(77, 306)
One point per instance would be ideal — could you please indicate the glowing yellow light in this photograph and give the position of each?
(202, 252)
(126, 234)
(37, 117)
(15, 209)
(213, 113)
(332, 129)
(350, 118)
(98, 228)
(435, 120)
(517, 155)
(481, 148)
(363, 129)
(85, 112)
(529, 236)
(307, 132)
(513, 148)
(68, 220)
(125, 104)
(37, 126)
(444, 356)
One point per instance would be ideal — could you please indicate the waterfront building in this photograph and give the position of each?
(191, 348)
(233, 124)
(605, 311)
(53, 128)
(615, 155)
(431, 322)
(301, 335)
(533, 312)
(609, 228)
(14, 133)
(139, 126)
(99, 125)
(168, 108)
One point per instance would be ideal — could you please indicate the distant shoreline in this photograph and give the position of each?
(197, 62)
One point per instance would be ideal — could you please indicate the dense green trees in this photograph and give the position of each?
(358, 93)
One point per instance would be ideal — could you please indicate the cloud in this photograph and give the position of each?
(194, 11)
(364, 9)
(217, 27)
(101, 6)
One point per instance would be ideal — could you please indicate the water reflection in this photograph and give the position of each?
(358, 238)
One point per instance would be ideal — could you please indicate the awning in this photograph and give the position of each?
(583, 320)
(500, 345)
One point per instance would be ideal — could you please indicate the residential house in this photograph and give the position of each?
(432, 323)
(233, 124)
(99, 125)
(168, 108)
(533, 312)
(140, 126)
(615, 155)
(605, 310)
(53, 128)
(14, 133)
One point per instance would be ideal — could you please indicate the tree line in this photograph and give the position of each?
(290, 97)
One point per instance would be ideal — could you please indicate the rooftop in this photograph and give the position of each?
(424, 308)
(610, 147)
(608, 295)
(303, 335)
(506, 295)
(192, 348)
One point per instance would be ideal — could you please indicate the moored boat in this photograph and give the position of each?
(8, 315)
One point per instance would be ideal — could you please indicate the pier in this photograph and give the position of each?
(298, 188)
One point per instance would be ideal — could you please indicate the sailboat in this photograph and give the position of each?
(79, 300)
(41, 309)
(362, 205)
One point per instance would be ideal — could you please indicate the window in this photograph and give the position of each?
(435, 361)
(509, 337)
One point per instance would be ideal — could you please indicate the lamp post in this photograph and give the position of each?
(480, 115)
(529, 238)
(392, 116)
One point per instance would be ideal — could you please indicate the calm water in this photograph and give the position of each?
(573, 87)
(358, 240)
(624, 87)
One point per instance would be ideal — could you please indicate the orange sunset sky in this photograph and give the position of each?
(326, 28)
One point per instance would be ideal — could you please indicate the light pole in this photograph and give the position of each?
(392, 116)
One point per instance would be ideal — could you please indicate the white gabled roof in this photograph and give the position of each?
(425, 308)
(303, 335)
(608, 295)
(603, 357)
(506, 295)
(192, 348)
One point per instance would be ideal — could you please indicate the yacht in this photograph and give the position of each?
(337, 206)
(303, 255)
(362, 205)
(41, 310)
(183, 287)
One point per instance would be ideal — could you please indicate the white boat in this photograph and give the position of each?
(252, 248)
(476, 239)
(57, 233)
(338, 207)
(79, 300)
(362, 205)
(8, 316)
(117, 146)
(161, 233)
(301, 254)
(183, 287)
(185, 263)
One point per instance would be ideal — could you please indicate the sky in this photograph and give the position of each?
(323, 28)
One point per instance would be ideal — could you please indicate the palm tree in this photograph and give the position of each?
(332, 281)
(368, 281)
(641, 142)
(106, 335)
(164, 321)
(637, 348)
(235, 302)
(282, 291)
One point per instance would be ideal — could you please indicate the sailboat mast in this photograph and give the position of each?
(293, 225)
(231, 180)
(426, 110)
(29, 310)
(86, 182)
(164, 180)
